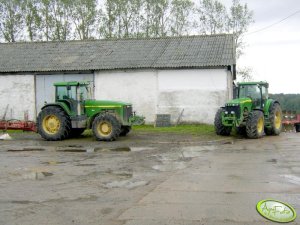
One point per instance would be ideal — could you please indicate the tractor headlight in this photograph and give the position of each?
(232, 112)
(226, 112)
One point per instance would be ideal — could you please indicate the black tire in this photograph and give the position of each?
(255, 124)
(241, 131)
(75, 132)
(219, 127)
(125, 130)
(106, 127)
(275, 119)
(297, 126)
(53, 124)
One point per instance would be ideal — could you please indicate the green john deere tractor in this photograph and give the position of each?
(251, 113)
(73, 111)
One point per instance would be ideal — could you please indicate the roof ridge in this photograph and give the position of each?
(117, 39)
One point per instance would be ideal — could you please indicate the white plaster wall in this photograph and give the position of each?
(199, 92)
(17, 91)
(136, 87)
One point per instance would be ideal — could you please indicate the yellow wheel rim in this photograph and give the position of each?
(260, 125)
(277, 119)
(104, 128)
(51, 124)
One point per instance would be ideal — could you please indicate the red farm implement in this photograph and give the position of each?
(14, 124)
(290, 120)
(17, 125)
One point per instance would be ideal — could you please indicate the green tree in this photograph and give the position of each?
(84, 14)
(212, 17)
(32, 19)
(156, 18)
(11, 20)
(180, 14)
(239, 19)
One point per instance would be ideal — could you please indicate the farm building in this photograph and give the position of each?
(192, 76)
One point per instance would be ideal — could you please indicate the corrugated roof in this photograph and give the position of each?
(170, 52)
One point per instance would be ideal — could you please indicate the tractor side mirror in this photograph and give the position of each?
(68, 87)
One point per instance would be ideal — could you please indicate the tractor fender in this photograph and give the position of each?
(60, 105)
(268, 105)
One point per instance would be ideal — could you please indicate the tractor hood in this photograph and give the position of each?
(104, 103)
(238, 101)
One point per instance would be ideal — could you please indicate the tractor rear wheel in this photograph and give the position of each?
(125, 130)
(106, 127)
(255, 124)
(219, 127)
(275, 119)
(53, 124)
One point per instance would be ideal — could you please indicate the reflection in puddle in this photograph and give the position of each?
(292, 179)
(171, 166)
(26, 150)
(71, 150)
(53, 162)
(126, 184)
(119, 149)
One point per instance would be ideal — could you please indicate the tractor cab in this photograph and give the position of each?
(73, 94)
(256, 91)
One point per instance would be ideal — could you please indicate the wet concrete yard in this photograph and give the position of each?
(142, 181)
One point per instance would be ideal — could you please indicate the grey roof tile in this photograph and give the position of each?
(170, 52)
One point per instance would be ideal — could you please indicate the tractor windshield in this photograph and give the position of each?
(252, 91)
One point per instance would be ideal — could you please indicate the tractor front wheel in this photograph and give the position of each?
(255, 124)
(53, 124)
(106, 127)
(219, 127)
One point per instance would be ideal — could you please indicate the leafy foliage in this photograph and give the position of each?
(288, 102)
(60, 20)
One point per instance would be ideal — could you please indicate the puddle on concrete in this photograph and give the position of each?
(106, 211)
(53, 162)
(74, 146)
(196, 151)
(119, 149)
(21, 202)
(79, 148)
(75, 150)
(87, 164)
(170, 166)
(272, 160)
(139, 149)
(26, 150)
(32, 175)
(292, 179)
(126, 184)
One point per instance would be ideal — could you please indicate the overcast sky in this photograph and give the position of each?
(274, 53)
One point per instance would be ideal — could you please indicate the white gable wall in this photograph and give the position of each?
(196, 92)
